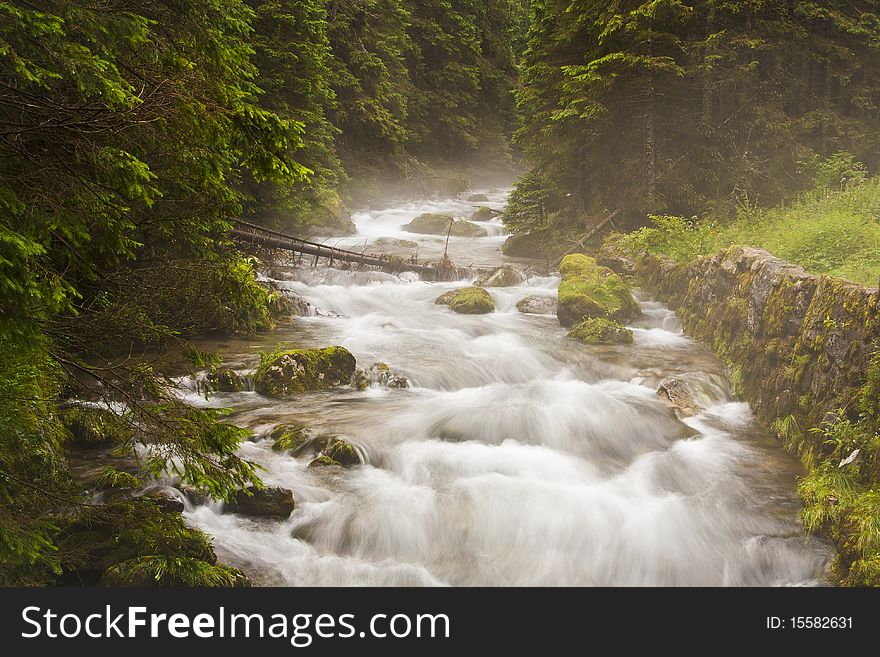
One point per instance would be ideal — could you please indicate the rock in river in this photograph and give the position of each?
(505, 276)
(601, 330)
(677, 393)
(467, 301)
(589, 290)
(266, 503)
(439, 224)
(294, 371)
(537, 305)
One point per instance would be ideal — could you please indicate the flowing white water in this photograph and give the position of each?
(516, 456)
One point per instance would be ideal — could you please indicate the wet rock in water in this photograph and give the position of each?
(445, 298)
(441, 224)
(225, 379)
(601, 331)
(467, 301)
(92, 427)
(291, 372)
(477, 198)
(589, 290)
(677, 393)
(391, 242)
(272, 502)
(484, 214)
(343, 452)
(529, 245)
(537, 305)
(289, 438)
(505, 276)
(170, 500)
(324, 462)
(380, 374)
(296, 305)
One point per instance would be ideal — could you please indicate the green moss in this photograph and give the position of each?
(471, 301)
(588, 290)
(225, 380)
(283, 373)
(289, 438)
(601, 331)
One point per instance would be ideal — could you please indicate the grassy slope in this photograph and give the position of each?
(827, 232)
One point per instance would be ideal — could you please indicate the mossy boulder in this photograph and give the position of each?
(589, 290)
(343, 452)
(291, 372)
(467, 301)
(272, 502)
(504, 276)
(484, 214)
(91, 427)
(289, 438)
(440, 224)
(477, 198)
(530, 245)
(537, 305)
(446, 297)
(225, 379)
(337, 452)
(601, 330)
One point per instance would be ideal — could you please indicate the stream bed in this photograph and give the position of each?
(516, 456)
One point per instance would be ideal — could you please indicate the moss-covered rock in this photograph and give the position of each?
(477, 198)
(530, 245)
(467, 301)
(289, 438)
(537, 305)
(343, 452)
(445, 298)
(272, 502)
(92, 427)
(504, 276)
(484, 214)
(589, 290)
(225, 379)
(439, 224)
(601, 331)
(291, 372)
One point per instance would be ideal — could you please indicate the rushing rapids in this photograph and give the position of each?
(516, 456)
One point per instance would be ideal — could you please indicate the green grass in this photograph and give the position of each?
(833, 232)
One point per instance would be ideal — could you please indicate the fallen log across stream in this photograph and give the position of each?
(248, 234)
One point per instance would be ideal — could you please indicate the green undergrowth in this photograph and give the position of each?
(841, 491)
(833, 231)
